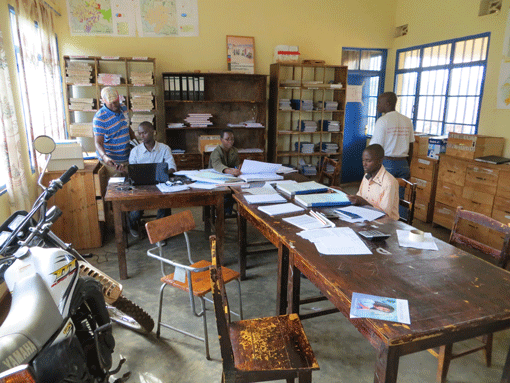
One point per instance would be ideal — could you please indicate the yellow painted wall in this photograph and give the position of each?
(437, 20)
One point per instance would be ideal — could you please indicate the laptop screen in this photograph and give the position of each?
(148, 174)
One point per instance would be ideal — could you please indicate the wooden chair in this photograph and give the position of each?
(333, 177)
(467, 220)
(260, 349)
(408, 201)
(192, 278)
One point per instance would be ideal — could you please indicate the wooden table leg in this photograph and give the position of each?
(120, 240)
(282, 280)
(386, 365)
(505, 378)
(220, 227)
(293, 287)
(242, 232)
(207, 220)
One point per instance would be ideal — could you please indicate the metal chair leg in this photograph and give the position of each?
(206, 337)
(160, 308)
(238, 280)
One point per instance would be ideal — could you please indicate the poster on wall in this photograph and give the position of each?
(241, 54)
(124, 18)
(503, 96)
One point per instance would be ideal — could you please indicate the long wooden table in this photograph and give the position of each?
(452, 295)
(128, 198)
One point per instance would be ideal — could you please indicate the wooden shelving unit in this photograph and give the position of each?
(102, 65)
(230, 99)
(304, 82)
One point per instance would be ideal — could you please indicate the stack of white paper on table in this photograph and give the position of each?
(279, 209)
(212, 176)
(355, 214)
(305, 222)
(165, 188)
(264, 198)
(109, 79)
(259, 171)
(309, 187)
(322, 199)
(336, 241)
(286, 169)
(81, 103)
(79, 73)
(138, 118)
(199, 120)
(141, 78)
(142, 101)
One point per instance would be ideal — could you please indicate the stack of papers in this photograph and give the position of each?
(329, 147)
(285, 104)
(309, 187)
(330, 126)
(326, 105)
(199, 120)
(307, 126)
(142, 101)
(336, 241)
(212, 177)
(138, 118)
(141, 78)
(305, 222)
(259, 171)
(304, 147)
(81, 103)
(323, 199)
(79, 73)
(358, 214)
(253, 177)
(283, 208)
(164, 188)
(109, 79)
(175, 125)
(301, 104)
(264, 198)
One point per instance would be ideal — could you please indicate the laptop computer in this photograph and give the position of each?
(148, 174)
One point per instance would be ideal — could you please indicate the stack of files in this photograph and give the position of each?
(250, 150)
(81, 129)
(313, 84)
(285, 104)
(199, 120)
(326, 105)
(252, 124)
(330, 126)
(81, 103)
(254, 177)
(212, 177)
(279, 209)
(79, 73)
(264, 198)
(109, 79)
(290, 82)
(252, 171)
(141, 78)
(323, 199)
(308, 170)
(309, 187)
(304, 147)
(138, 118)
(355, 214)
(307, 126)
(142, 101)
(301, 104)
(329, 147)
(175, 125)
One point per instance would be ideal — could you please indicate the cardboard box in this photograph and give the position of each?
(420, 145)
(204, 141)
(437, 145)
(471, 146)
(66, 154)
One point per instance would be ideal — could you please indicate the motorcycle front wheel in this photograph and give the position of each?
(129, 314)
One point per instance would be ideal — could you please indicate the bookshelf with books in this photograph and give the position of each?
(306, 113)
(85, 76)
(200, 105)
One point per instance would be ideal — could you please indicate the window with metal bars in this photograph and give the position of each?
(440, 85)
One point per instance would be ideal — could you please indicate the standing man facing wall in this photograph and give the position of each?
(395, 133)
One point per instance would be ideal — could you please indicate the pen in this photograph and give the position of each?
(326, 219)
(318, 217)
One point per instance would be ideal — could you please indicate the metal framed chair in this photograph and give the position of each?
(192, 278)
(330, 169)
(408, 201)
(466, 224)
(261, 349)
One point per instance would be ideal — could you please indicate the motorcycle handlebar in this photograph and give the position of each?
(64, 178)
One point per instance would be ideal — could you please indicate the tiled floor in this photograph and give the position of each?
(344, 355)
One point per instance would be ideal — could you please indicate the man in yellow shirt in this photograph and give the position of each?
(378, 188)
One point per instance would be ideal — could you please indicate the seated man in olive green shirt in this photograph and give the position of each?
(225, 158)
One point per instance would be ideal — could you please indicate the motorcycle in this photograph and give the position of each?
(58, 325)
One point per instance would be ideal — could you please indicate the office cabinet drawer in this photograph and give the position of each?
(423, 188)
(473, 230)
(452, 170)
(444, 215)
(482, 178)
(188, 161)
(448, 194)
(501, 209)
(423, 168)
(474, 201)
(503, 189)
(423, 210)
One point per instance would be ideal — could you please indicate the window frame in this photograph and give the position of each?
(449, 68)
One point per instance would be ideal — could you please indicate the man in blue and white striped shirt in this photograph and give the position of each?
(112, 132)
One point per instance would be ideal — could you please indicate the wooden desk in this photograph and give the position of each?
(452, 295)
(128, 198)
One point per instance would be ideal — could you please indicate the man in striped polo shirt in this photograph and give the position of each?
(112, 132)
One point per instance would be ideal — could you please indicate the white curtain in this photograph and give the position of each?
(10, 147)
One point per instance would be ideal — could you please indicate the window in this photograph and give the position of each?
(440, 85)
(366, 67)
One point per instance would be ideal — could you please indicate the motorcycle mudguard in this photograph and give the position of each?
(32, 320)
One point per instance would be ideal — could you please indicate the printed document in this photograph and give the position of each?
(364, 214)
(375, 307)
(336, 241)
(305, 222)
(281, 208)
(251, 166)
(264, 198)
(164, 188)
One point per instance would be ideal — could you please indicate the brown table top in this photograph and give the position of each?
(450, 292)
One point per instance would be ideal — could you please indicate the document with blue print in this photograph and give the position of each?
(383, 308)
(336, 241)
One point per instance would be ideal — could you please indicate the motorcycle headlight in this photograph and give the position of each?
(19, 374)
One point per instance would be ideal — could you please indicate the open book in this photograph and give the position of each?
(302, 188)
(322, 199)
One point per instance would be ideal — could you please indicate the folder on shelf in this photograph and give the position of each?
(177, 86)
(166, 83)
(191, 89)
(201, 89)
(184, 87)
(302, 188)
(196, 90)
(323, 199)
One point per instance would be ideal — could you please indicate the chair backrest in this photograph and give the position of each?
(170, 226)
(334, 177)
(500, 256)
(221, 308)
(409, 199)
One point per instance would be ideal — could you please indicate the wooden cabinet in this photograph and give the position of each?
(81, 202)
(231, 99)
(476, 186)
(424, 175)
(87, 75)
(306, 110)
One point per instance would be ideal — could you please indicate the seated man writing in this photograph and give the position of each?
(149, 151)
(378, 188)
(225, 159)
